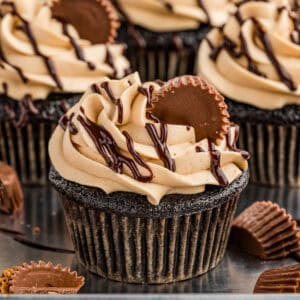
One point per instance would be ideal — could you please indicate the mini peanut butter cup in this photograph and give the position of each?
(11, 195)
(190, 100)
(95, 20)
(267, 231)
(5, 278)
(45, 278)
(279, 280)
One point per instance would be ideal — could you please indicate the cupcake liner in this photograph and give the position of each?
(149, 250)
(281, 280)
(267, 231)
(26, 149)
(162, 64)
(275, 153)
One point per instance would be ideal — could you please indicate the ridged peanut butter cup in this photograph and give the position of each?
(267, 231)
(280, 280)
(45, 278)
(11, 195)
(95, 20)
(190, 100)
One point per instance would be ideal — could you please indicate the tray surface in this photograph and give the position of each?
(237, 273)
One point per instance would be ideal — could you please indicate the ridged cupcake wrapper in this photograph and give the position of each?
(26, 150)
(152, 251)
(275, 153)
(162, 65)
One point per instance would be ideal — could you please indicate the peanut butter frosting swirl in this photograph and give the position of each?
(109, 140)
(255, 58)
(176, 15)
(40, 54)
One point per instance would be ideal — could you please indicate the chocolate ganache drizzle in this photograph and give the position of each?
(40, 54)
(260, 46)
(138, 154)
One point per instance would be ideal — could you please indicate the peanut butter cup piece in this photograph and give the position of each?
(11, 195)
(267, 231)
(190, 100)
(279, 280)
(95, 20)
(45, 278)
(5, 279)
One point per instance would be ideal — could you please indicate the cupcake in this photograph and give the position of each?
(163, 36)
(254, 61)
(50, 54)
(150, 177)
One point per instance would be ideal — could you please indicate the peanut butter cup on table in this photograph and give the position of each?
(254, 61)
(49, 55)
(150, 177)
(163, 36)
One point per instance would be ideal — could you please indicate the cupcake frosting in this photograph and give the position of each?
(40, 54)
(111, 141)
(255, 57)
(175, 15)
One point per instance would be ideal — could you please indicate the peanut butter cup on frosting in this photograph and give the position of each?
(253, 60)
(49, 55)
(139, 178)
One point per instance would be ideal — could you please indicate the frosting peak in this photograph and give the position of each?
(40, 54)
(111, 141)
(254, 58)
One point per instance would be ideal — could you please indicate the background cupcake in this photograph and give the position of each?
(50, 53)
(254, 62)
(149, 188)
(163, 36)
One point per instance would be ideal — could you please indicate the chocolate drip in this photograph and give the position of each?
(295, 35)
(152, 117)
(26, 107)
(282, 73)
(95, 88)
(167, 5)
(132, 30)
(28, 31)
(78, 50)
(160, 144)
(114, 100)
(199, 149)
(110, 61)
(147, 92)
(16, 68)
(109, 150)
(5, 88)
(66, 123)
(202, 6)
(64, 106)
(215, 156)
(232, 143)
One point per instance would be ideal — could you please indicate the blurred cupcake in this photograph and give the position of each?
(150, 177)
(254, 61)
(49, 55)
(163, 35)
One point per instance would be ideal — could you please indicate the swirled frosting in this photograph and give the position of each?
(255, 58)
(40, 54)
(176, 15)
(107, 140)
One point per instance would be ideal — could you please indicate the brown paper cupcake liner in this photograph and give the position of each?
(281, 280)
(149, 250)
(26, 150)
(44, 278)
(161, 65)
(275, 153)
(267, 231)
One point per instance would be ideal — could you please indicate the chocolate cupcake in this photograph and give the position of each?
(50, 53)
(254, 61)
(163, 36)
(150, 177)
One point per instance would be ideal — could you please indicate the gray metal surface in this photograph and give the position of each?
(236, 274)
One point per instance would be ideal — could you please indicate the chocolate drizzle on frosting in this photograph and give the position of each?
(232, 143)
(202, 6)
(30, 35)
(66, 122)
(114, 100)
(109, 150)
(215, 156)
(160, 144)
